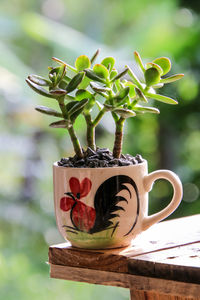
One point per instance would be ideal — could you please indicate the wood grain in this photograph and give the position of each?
(69, 256)
(180, 264)
(142, 283)
(146, 295)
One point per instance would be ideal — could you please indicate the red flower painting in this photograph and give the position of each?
(106, 208)
(82, 216)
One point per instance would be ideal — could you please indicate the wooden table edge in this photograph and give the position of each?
(133, 282)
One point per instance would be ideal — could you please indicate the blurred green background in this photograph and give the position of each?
(31, 32)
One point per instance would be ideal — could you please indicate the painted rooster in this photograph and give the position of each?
(106, 204)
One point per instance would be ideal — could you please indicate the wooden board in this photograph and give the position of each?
(149, 295)
(180, 264)
(143, 283)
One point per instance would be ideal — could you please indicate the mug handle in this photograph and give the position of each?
(178, 192)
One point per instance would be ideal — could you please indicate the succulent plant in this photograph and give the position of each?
(79, 88)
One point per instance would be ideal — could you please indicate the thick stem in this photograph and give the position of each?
(74, 139)
(98, 117)
(90, 132)
(75, 142)
(91, 127)
(62, 107)
(118, 138)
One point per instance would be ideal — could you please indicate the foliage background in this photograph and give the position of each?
(31, 32)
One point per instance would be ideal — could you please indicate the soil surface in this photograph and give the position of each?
(101, 158)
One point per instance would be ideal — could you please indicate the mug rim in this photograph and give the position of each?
(55, 164)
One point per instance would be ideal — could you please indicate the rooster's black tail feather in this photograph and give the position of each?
(106, 201)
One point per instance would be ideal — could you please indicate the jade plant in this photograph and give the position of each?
(79, 88)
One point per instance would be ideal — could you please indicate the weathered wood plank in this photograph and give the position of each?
(167, 234)
(146, 295)
(142, 283)
(180, 263)
(68, 256)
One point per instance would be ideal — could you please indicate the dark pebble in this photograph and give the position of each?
(134, 161)
(138, 157)
(79, 162)
(90, 152)
(123, 162)
(114, 161)
(101, 158)
(106, 156)
(103, 150)
(103, 164)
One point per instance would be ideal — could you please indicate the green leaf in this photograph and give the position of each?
(77, 106)
(164, 63)
(95, 56)
(131, 88)
(113, 74)
(125, 113)
(99, 105)
(140, 96)
(53, 74)
(38, 89)
(59, 124)
(52, 77)
(82, 63)
(101, 71)
(139, 61)
(98, 88)
(121, 74)
(66, 78)
(89, 105)
(109, 107)
(90, 74)
(75, 81)
(118, 85)
(145, 109)
(58, 92)
(108, 61)
(152, 76)
(153, 65)
(84, 83)
(115, 116)
(83, 94)
(158, 85)
(63, 84)
(172, 78)
(123, 93)
(39, 80)
(48, 111)
(134, 78)
(69, 106)
(162, 98)
(61, 73)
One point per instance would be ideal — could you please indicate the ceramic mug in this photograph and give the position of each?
(107, 207)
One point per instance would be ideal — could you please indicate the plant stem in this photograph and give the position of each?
(98, 117)
(75, 142)
(91, 127)
(90, 132)
(62, 107)
(118, 138)
(70, 128)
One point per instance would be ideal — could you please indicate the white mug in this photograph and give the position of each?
(107, 207)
